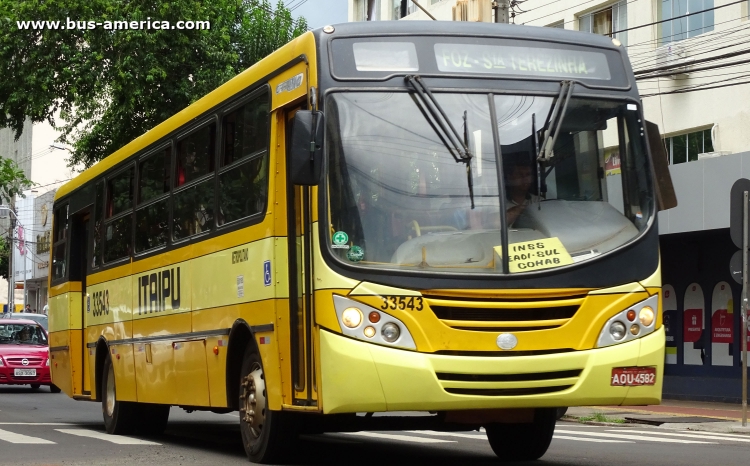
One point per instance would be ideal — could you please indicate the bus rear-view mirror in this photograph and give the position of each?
(306, 151)
(665, 195)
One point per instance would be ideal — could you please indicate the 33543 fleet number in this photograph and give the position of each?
(411, 303)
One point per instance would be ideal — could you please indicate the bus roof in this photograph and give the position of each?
(467, 28)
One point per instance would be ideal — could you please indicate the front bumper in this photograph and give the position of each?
(362, 377)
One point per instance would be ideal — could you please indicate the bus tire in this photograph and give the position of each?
(152, 418)
(523, 442)
(119, 416)
(54, 389)
(266, 434)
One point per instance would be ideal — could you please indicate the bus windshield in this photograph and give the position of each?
(398, 199)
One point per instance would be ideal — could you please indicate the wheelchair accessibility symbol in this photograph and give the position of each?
(267, 273)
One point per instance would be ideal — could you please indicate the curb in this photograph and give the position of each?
(593, 423)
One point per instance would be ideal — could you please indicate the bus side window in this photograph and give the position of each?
(59, 269)
(193, 205)
(152, 225)
(118, 226)
(96, 259)
(243, 180)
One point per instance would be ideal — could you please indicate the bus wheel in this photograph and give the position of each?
(152, 418)
(119, 416)
(523, 442)
(54, 389)
(265, 433)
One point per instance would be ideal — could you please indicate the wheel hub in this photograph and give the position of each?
(110, 404)
(253, 401)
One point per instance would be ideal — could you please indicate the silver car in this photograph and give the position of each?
(41, 319)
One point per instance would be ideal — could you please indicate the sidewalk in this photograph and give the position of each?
(671, 414)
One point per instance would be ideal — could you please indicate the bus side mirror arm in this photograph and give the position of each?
(306, 151)
(665, 195)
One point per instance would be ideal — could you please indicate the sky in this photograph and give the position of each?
(319, 12)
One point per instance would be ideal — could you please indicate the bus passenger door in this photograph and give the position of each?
(299, 205)
(80, 223)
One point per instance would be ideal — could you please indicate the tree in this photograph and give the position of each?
(12, 180)
(111, 85)
(4, 263)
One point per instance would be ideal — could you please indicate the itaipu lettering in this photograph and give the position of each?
(159, 291)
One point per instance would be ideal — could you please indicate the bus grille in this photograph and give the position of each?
(530, 383)
(506, 313)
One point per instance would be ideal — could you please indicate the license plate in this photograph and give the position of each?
(633, 376)
(24, 372)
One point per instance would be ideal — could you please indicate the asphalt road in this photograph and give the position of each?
(40, 428)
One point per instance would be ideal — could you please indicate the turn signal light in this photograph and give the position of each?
(631, 315)
(216, 350)
(374, 317)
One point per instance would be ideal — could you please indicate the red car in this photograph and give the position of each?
(24, 354)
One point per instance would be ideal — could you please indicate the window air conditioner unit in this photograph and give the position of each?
(673, 55)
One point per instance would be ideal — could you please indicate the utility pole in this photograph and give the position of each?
(502, 11)
(11, 275)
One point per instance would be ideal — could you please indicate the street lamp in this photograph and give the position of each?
(5, 211)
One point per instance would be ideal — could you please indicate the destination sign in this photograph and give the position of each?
(521, 61)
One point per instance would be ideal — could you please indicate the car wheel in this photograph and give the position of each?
(54, 389)
(523, 442)
(35, 386)
(119, 416)
(266, 434)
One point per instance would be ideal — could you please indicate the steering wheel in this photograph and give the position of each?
(413, 225)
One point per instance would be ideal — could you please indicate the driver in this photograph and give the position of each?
(25, 335)
(518, 186)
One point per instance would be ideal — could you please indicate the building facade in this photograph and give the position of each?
(692, 70)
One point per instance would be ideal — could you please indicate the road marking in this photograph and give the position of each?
(403, 438)
(448, 434)
(118, 439)
(718, 434)
(12, 437)
(36, 424)
(580, 439)
(631, 437)
(708, 435)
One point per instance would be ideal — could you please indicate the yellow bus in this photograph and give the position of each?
(455, 219)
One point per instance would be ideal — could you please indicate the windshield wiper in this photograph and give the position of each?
(554, 121)
(457, 147)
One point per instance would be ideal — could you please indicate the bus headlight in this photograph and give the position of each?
(646, 316)
(390, 332)
(381, 327)
(351, 317)
(615, 331)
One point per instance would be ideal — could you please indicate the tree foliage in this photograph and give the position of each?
(110, 86)
(4, 262)
(12, 180)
